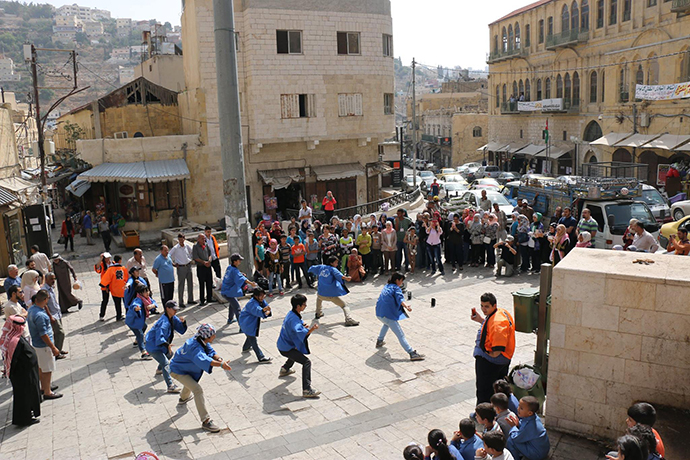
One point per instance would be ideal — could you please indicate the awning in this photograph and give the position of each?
(555, 151)
(142, 171)
(379, 168)
(480, 149)
(636, 140)
(516, 146)
(610, 139)
(532, 149)
(79, 187)
(27, 192)
(333, 172)
(683, 148)
(7, 197)
(281, 178)
(495, 146)
(667, 142)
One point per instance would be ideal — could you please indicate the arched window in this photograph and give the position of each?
(613, 14)
(517, 36)
(584, 16)
(527, 36)
(639, 75)
(653, 73)
(539, 89)
(568, 88)
(592, 132)
(528, 91)
(603, 85)
(477, 131)
(511, 37)
(504, 93)
(623, 84)
(576, 89)
(593, 86)
(622, 155)
(547, 89)
(684, 73)
(515, 89)
(559, 86)
(565, 19)
(574, 16)
(521, 90)
(498, 96)
(505, 40)
(627, 8)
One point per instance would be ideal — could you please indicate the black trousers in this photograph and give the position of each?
(69, 239)
(293, 356)
(205, 277)
(167, 292)
(215, 265)
(329, 216)
(486, 374)
(105, 234)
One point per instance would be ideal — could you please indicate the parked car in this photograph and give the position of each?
(506, 177)
(487, 171)
(658, 204)
(510, 191)
(671, 228)
(455, 177)
(467, 167)
(408, 183)
(572, 180)
(445, 171)
(485, 183)
(471, 199)
(454, 189)
(431, 167)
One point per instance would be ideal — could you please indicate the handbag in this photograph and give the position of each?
(61, 240)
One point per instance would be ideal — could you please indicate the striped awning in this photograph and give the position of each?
(610, 139)
(334, 172)
(142, 171)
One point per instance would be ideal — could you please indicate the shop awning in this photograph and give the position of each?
(79, 187)
(495, 146)
(610, 139)
(637, 140)
(683, 148)
(555, 151)
(532, 149)
(481, 149)
(281, 178)
(517, 147)
(142, 171)
(7, 197)
(27, 192)
(334, 172)
(379, 168)
(667, 142)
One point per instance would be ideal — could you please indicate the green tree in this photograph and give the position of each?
(82, 39)
(73, 132)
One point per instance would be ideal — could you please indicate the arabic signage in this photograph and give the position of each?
(663, 92)
(545, 105)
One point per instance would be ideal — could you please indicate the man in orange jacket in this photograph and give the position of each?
(494, 347)
(114, 280)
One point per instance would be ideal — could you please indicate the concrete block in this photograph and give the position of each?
(560, 406)
(562, 360)
(592, 413)
(656, 377)
(567, 312)
(602, 367)
(636, 321)
(666, 352)
(557, 336)
(600, 316)
(607, 343)
(577, 386)
(630, 294)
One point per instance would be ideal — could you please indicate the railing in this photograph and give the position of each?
(624, 95)
(567, 38)
(362, 209)
(509, 107)
(678, 6)
(511, 53)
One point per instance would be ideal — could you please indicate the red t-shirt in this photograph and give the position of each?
(660, 449)
(300, 258)
(329, 204)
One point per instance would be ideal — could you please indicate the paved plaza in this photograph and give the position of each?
(373, 403)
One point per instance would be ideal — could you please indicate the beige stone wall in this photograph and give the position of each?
(165, 70)
(9, 157)
(619, 334)
(465, 145)
(150, 120)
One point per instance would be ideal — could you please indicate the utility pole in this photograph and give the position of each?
(402, 163)
(414, 124)
(232, 155)
(634, 115)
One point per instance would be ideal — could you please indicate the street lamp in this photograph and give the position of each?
(576, 160)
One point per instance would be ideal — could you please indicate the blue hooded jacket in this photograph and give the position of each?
(131, 290)
(137, 319)
(293, 334)
(390, 301)
(467, 449)
(330, 280)
(233, 282)
(193, 358)
(250, 317)
(530, 440)
(162, 333)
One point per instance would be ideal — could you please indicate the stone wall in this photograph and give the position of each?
(619, 334)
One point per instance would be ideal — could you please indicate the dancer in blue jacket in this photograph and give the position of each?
(331, 288)
(233, 286)
(159, 341)
(250, 322)
(136, 314)
(390, 309)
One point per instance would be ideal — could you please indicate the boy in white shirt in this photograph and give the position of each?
(494, 447)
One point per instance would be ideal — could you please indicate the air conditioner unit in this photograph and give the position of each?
(644, 120)
(121, 135)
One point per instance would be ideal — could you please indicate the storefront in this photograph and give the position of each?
(20, 231)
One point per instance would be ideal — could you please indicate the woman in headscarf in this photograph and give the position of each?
(373, 222)
(274, 267)
(490, 230)
(336, 226)
(276, 231)
(190, 362)
(523, 240)
(389, 246)
(584, 240)
(476, 239)
(318, 229)
(383, 218)
(559, 244)
(355, 270)
(629, 234)
(303, 229)
(356, 225)
(21, 366)
(537, 235)
(30, 286)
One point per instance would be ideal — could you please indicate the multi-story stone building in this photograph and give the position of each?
(575, 64)
(66, 27)
(316, 91)
(84, 13)
(123, 26)
(93, 28)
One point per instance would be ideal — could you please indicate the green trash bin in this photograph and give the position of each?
(538, 390)
(526, 309)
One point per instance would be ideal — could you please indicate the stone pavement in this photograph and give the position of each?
(374, 401)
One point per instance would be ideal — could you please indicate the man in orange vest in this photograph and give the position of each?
(114, 280)
(494, 347)
(215, 254)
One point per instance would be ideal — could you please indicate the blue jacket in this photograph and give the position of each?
(162, 333)
(466, 449)
(193, 358)
(330, 280)
(233, 282)
(530, 440)
(293, 334)
(131, 291)
(137, 319)
(513, 403)
(390, 301)
(250, 317)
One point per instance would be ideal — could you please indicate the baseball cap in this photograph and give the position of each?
(525, 201)
(235, 257)
(172, 304)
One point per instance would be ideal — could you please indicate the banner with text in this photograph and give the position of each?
(545, 105)
(663, 92)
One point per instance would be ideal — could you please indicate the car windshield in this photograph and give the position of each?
(426, 174)
(496, 197)
(447, 171)
(652, 197)
(623, 212)
(455, 186)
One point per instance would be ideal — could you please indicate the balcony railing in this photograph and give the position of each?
(567, 38)
(624, 95)
(509, 108)
(679, 6)
(509, 54)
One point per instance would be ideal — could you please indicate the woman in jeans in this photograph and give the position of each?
(136, 315)
(476, 239)
(390, 309)
(274, 267)
(159, 341)
(433, 245)
(389, 246)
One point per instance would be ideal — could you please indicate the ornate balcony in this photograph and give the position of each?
(680, 6)
(509, 54)
(567, 38)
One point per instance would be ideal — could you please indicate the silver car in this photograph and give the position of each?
(487, 171)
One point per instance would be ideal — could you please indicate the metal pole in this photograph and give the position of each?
(402, 164)
(232, 156)
(544, 291)
(414, 124)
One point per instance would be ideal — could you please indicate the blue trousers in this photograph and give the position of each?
(394, 326)
(163, 360)
(434, 253)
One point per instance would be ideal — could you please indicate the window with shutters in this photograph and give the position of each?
(297, 106)
(387, 45)
(388, 104)
(167, 195)
(289, 41)
(350, 105)
(541, 31)
(348, 43)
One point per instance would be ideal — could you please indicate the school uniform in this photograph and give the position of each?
(187, 366)
(389, 311)
(513, 403)
(530, 440)
(136, 320)
(467, 448)
(231, 289)
(330, 289)
(292, 343)
(158, 339)
(131, 291)
(250, 322)
(502, 420)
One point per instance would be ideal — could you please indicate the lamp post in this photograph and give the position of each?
(576, 160)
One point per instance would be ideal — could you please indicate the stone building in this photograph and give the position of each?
(575, 65)
(316, 91)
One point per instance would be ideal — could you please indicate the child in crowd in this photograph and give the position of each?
(438, 448)
(274, 267)
(413, 452)
(500, 403)
(629, 448)
(528, 437)
(494, 448)
(135, 317)
(411, 240)
(646, 436)
(645, 414)
(376, 254)
(250, 321)
(486, 417)
(260, 255)
(502, 386)
(584, 240)
(285, 251)
(466, 440)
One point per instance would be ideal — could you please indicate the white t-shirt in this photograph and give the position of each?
(305, 213)
(645, 242)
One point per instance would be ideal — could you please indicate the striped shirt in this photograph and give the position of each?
(590, 226)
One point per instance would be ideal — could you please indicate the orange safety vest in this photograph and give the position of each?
(115, 279)
(215, 247)
(498, 334)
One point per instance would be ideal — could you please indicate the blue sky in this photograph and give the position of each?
(445, 32)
